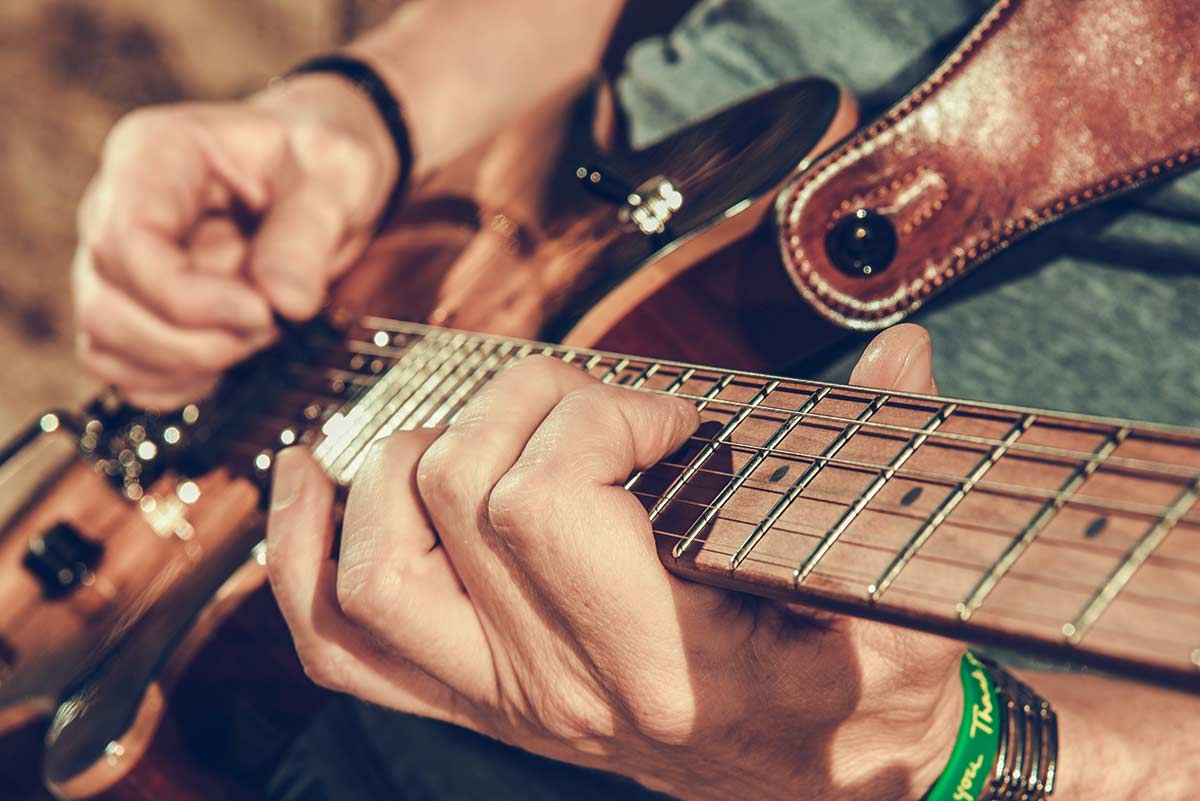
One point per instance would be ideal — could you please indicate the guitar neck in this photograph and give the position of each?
(1070, 535)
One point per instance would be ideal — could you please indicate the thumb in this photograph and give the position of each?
(901, 358)
(292, 256)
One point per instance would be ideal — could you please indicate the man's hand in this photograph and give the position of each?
(206, 218)
(497, 575)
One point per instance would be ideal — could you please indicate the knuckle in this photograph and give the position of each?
(323, 667)
(665, 715)
(518, 502)
(575, 717)
(595, 403)
(443, 478)
(364, 589)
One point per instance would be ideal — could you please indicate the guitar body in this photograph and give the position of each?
(160, 668)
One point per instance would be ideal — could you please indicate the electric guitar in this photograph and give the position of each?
(140, 652)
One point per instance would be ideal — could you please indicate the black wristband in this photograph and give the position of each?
(374, 88)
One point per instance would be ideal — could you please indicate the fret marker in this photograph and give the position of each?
(911, 496)
(1095, 527)
(779, 474)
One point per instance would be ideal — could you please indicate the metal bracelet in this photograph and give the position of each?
(1027, 761)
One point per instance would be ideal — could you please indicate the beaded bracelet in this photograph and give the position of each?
(372, 86)
(1007, 746)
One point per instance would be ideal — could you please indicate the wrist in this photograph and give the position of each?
(332, 103)
(896, 749)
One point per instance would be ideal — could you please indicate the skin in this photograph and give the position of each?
(497, 575)
(206, 219)
(494, 574)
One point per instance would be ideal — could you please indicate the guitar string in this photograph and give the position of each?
(768, 559)
(1155, 469)
(967, 523)
(896, 510)
(812, 535)
(998, 609)
(853, 393)
(1019, 491)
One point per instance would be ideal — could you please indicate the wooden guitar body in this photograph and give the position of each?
(158, 667)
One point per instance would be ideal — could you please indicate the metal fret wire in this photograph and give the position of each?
(1017, 490)
(1020, 615)
(747, 410)
(1155, 468)
(892, 509)
(381, 408)
(999, 487)
(779, 560)
(871, 491)
(435, 375)
(1040, 520)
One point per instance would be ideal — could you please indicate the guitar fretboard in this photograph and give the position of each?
(1070, 534)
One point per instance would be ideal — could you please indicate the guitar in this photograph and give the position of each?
(137, 620)
(140, 651)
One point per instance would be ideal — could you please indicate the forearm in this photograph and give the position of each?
(464, 68)
(1120, 740)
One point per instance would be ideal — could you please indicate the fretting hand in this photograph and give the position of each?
(206, 218)
(498, 576)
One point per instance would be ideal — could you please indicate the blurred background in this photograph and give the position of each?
(68, 70)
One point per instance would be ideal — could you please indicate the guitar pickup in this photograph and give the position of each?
(61, 558)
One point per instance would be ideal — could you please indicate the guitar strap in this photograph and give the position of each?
(1045, 108)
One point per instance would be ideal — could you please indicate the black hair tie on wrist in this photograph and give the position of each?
(374, 88)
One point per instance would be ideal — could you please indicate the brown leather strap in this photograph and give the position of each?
(1046, 107)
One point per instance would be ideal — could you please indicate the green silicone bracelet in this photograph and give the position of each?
(978, 743)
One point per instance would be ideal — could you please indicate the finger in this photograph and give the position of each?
(133, 255)
(216, 245)
(292, 256)
(118, 323)
(457, 473)
(334, 652)
(547, 508)
(394, 580)
(142, 386)
(577, 537)
(900, 358)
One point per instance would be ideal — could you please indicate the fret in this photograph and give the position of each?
(1133, 559)
(703, 456)
(868, 494)
(644, 376)
(681, 379)
(410, 410)
(487, 371)
(786, 428)
(466, 369)
(788, 425)
(918, 539)
(614, 371)
(350, 423)
(807, 477)
(1021, 542)
(404, 390)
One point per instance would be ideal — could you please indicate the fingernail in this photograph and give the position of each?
(287, 480)
(914, 374)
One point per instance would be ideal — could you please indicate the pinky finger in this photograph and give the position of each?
(140, 385)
